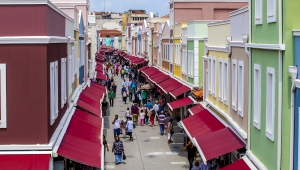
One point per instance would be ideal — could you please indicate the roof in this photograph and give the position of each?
(166, 16)
(110, 33)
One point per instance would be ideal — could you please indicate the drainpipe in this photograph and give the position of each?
(279, 88)
(293, 70)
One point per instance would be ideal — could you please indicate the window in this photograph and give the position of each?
(258, 12)
(184, 62)
(270, 102)
(220, 79)
(271, 13)
(225, 84)
(241, 88)
(3, 114)
(209, 75)
(213, 77)
(256, 95)
(234, 84)
(63, 82)
(53, 91)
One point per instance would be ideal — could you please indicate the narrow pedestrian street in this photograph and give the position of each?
(149, 150)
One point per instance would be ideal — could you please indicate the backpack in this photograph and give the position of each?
(122, 71)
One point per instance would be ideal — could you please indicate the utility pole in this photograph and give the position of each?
(104, 6)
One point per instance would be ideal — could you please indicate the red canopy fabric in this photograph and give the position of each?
(237, 165)
(159, 74)
(25, 161)
(167, 83)
(201, 123)
(82, 140)
(150, 71)
(179, 91)
(140, 62)
(93, 84)
(196, 109)
(173, 87)
(143, 68)
(101, 76)
(217, 143)
(160, 79)
(136, 59)
(88, 107)
(180, 103)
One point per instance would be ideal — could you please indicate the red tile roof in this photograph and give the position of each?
(110, 33)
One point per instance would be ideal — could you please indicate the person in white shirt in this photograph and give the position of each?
(116, 124)
(152, 116)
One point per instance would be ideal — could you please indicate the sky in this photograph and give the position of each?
(155, 6)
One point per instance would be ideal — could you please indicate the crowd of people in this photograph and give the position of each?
(147, 106)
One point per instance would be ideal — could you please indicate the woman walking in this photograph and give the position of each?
(130, 128)
(152, 116)
(104, 105)
(123, 126)
(118, 149)
(124, 94)
(170, 130)
(114, 88)
(147, 114)
(111, 96)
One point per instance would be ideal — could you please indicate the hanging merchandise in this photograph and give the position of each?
(108, 41)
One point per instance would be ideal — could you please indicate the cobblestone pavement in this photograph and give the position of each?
(148, 150)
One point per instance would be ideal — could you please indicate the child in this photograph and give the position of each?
(142, 117)
(127, 114)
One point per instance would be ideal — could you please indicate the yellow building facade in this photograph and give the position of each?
(177, 48)
(218, 67)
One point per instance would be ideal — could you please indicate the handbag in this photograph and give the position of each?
(124, 156)
(172, 132)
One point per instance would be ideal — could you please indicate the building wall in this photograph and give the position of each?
(165, 64)
(290, 22)
(201, 54)
(190, 46)
(33, 23)
(184, 76)
(188, 11)
(215, 99)
(238, 53)
(177, 68)
(261, 146)
(217, 37)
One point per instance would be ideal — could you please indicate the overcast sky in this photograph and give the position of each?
(155, 6)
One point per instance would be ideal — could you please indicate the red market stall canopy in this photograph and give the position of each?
(82, 140)
(196, 109)
(237, 165)
(143, 68)
(101, 76)
(25, 161)
(210, 136)
(181, 102)
(218, 143)
(179, 91)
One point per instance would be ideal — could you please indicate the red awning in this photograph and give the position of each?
(160, 79)
(140, 62)
(136, 59)
(101, 76)
(150, 71)
(173, 87)
(217, 143)
(25, 161)
(196, 109)
(159, 74)
(201, 123)
(179, 91)
(237, 165)
(93, 84)
(167, 83)
(82, 140)
(143, 68)
(86, 106)
(180, 103)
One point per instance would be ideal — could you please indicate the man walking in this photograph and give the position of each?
(135, 113)
(192, 150)
(111, 96)
(116, 124)
(162, 122)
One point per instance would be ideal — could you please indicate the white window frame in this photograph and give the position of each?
(270, 103)
(271, 11)
(225, 82)
(53, 91)
(214, 77)
(234, 85)
(209, 86)
(240, 88)
(3, 120)
(256, 95)
(220, 81)
(258, 12)
(63, 82)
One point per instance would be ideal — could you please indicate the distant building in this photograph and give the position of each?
(109, 21)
